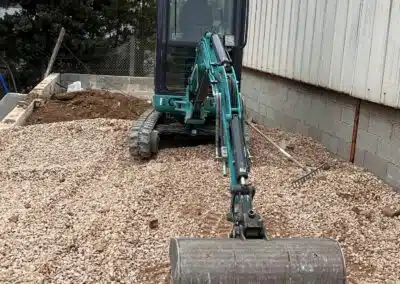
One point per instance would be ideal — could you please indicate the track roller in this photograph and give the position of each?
(291, 260)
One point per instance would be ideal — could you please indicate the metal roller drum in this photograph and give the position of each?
(291, 260)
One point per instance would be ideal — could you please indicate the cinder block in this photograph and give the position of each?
(344, 100)
(363, 119)
(303, 106)
(266, 99)
(270, 123)
(333, 110)
(274, 95)
(302, 128)
(251, 114)
(380, 126)
(316, 112)
(271, 114)
(376, 164)
(251, 94)
(384, 149)
(257, 118)
(251, 103)
(315, 133)
(389, 150)
(348, 115)
(344, 131)
(344, 149)
(262, 109)
(359, 157)
(293, 99)
(87, 79)
(68, 78)
(395, 132)
(328, 125)
(393, 175)
(288, 123)
(367, 141)
(391, 114)
(330, 142)
(271, 85)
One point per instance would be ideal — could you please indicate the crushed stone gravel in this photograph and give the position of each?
(76, 208)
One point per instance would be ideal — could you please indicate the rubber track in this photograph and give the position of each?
(139, 138)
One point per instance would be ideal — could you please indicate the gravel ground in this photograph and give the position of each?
(76, 209)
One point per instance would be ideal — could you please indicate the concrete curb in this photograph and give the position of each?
(8, 102)
(19, 115)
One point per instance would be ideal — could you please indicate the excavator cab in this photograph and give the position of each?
(180, 26)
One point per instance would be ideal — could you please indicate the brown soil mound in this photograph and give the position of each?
(88, 104)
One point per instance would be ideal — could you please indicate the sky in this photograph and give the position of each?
(4, 11)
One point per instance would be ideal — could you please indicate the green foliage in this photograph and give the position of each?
(92, 28)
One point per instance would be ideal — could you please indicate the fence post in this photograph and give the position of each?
(132, 49)
(55, 52)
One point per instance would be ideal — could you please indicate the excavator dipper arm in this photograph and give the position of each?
(247, 256)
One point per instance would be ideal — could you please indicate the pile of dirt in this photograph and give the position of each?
(76, 208)
(88, 104)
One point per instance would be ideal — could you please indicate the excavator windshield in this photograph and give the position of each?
(190, 19)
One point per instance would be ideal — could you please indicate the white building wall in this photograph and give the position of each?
(351, 46)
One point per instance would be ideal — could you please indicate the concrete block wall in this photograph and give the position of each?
(328, 117)
(137, 85)
(378, 141)
(47, 86)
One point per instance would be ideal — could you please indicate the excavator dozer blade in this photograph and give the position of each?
(291, 260)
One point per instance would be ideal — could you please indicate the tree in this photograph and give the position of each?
(92, 28)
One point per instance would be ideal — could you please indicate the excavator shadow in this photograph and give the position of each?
(179, 141)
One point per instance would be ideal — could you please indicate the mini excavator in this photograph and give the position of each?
(199, 52)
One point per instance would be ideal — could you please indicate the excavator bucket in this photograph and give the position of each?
(290, 260)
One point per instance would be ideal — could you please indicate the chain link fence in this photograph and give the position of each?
(135, 57)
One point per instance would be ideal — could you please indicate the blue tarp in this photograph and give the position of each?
(3, 87)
